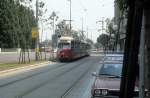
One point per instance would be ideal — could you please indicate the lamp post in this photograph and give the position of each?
(101, 21)
(84, 12)
(70, 17)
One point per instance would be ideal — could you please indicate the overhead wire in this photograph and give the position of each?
(82, 5)
(105, 3)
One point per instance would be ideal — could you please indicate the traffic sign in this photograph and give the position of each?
(35, 32)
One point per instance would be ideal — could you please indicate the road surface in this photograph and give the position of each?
(61, 80)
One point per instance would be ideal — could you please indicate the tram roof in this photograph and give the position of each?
(69, 38)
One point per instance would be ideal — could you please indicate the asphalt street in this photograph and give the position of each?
(61, 80)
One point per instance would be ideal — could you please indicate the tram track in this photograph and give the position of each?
(50, 80)
(35, 74)
(72, 86)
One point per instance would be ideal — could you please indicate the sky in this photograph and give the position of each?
(88, 10)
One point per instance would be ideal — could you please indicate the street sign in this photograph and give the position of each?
(35, 32)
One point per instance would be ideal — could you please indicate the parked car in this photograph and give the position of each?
(107, 81)
(112, 57)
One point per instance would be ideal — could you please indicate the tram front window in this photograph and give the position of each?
(64, 46)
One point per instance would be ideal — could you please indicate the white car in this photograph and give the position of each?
(112, 57)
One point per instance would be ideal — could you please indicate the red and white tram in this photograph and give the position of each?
(70, 48)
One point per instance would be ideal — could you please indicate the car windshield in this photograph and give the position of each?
(64, 45)
(111, 69)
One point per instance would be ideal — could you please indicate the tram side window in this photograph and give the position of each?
(59, 45)
(82, 46)
(79, 45)
(76, 45)
(73, 45)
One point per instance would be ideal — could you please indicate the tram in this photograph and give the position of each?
(70, 48)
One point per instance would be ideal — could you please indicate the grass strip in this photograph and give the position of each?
(6, 66)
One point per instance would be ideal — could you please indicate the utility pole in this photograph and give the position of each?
(91, 35)
(70, 17)
(82, 28)
(37, 38)
(102, 21)
(87, 29)
(68, 28)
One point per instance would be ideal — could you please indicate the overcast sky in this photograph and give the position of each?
(90, 10)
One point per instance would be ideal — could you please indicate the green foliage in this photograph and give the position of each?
(103, 39)
(89, 41)
(53, 59)
(110, 29)
(123, 5)
(97, 45)
(108, 40)
(16, 22)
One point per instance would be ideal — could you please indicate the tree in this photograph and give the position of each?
(130, 65)
(112, 34)
(16, 22)
(53, 18)
(6, 24)
(26, 22)
(103, 39)
(147, 42)
(89, 41)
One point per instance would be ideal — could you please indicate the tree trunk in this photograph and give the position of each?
(20, 56)
(28, 54)
(130, 66)
(147, 42)
(126, 50)
(45, 53)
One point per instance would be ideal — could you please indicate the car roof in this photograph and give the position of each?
(113, 55)
(113, 52)
(113, 62)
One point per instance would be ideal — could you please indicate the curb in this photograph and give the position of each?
(29, 66)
